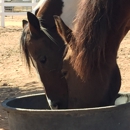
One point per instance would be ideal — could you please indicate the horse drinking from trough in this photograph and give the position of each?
(40, 47)
(90, 62)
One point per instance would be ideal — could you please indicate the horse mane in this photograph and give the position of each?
(91, 26)
(25, 51)
(24, 46)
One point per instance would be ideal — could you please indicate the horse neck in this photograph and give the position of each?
(94, 28)
(113, 42)
(47, 10)
(119, 27)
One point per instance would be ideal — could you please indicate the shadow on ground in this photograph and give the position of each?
(11, 91)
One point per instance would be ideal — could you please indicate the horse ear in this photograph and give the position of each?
(24, 23)
(64, 31)
(34, 24)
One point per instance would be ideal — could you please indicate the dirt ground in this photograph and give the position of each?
(15, 79)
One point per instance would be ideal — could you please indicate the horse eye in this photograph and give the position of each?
(43, 60)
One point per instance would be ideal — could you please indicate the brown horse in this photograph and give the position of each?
(40, 48)
(90, 61)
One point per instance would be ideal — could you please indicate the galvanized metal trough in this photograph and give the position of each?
(31, 112)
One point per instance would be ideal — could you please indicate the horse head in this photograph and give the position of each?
(45, 53)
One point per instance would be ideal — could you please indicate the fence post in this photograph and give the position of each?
(2, 14)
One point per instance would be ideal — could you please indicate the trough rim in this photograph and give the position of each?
(58, 111)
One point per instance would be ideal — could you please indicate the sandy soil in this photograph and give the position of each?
(15, 79)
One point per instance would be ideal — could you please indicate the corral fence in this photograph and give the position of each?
(15, 7)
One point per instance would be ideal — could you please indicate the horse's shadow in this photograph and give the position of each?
(7, 92)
